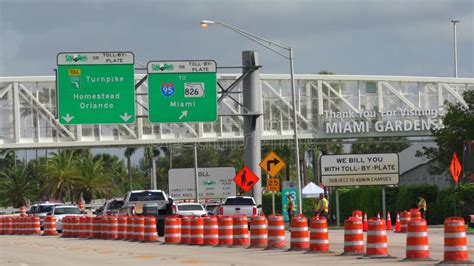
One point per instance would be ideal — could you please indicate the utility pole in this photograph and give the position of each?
(455, 48)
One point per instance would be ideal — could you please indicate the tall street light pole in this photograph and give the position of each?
(455, 48)
(273, 46)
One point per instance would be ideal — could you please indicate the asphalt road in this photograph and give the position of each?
(53, 250)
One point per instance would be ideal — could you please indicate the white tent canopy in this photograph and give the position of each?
(312, 190)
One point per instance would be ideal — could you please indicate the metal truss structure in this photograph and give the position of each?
(28, 110)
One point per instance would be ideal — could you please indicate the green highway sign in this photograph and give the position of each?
(182, 91)
(96, 88)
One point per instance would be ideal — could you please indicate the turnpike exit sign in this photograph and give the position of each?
(182, 91)
(96, 88)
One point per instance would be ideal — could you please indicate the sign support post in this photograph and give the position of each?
(338, 222)
(384, 206)
(196, 182)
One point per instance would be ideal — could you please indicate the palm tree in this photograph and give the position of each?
(95, 180)
(16, 188)
(151, 152)
(61, 174)
(128, 153)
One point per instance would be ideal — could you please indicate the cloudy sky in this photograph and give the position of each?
(379, 37)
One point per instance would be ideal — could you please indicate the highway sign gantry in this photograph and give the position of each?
(182, 91)
(246, 179)
(272, 164)
(96, 88)
(455, 168)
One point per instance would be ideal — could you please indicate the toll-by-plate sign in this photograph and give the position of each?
(359, 169)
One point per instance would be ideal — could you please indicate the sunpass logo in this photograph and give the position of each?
(162, 67)
(76, 58)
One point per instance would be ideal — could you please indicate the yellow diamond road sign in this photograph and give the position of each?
(272, 164)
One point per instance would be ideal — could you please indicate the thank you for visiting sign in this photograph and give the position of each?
(359, 169)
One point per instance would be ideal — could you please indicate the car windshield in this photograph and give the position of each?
(210, 208)
(239, 201)
(147, 196)
(59, 211)
(45, 208)
(115, 204)
(193, 207)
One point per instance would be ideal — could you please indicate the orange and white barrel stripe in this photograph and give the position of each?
(240, 231)
(96, 226)
(104, 227)
(225, 228)
(318, 237)
(404, 219)
(417, 240)
(353, 237)
(8, 226)
(299, 233)
(455, 241)
(196, 231)
(130, 227)
(276, 232)
(258, 232)
(2, 225)
(172, 230)
(122, 227)
(139, 228)
(112, 221)
(150, 234)
(49, 226)
(65, 227)
(75, 226)
(185, 229)
(377, 238)
(88, 223)
(82, 227)
(211, 231)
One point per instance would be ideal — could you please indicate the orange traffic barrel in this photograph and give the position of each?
(2, 225)
(276, 232)
(318, 237)
(415, 214)
(27, 224)
(14, 225)
(75, 226)
(404, 219)
(353, 237)
(88, 222)
(121, 227)
(172, 229)
(150, 234)
(258, 232)
(139, 228)
(377, 239)
(455, 242)
(417, 241)
(299, 233)
(357, 213)
(7, 223)
(81, 231)
(65, 230)
(96, 226)
(130, 227)
(49, 226)
(211, 231)
(196, 231)
(185, 229)
(22, 211)
(225, 229)
(36, 227)
(104, 227)
(240, 231)
(112, 221)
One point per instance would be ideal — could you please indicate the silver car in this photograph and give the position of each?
(62, 211)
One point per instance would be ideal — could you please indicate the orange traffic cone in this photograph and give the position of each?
(389, 222)
(397, 224)
(365, 224)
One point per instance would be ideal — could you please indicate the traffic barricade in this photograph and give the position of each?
(258, 231)
(130, 227)
(318, 236)
(299, 233)
(415, 214)
(417, 241)
(65, 227)
(7, 223)
(96, 226)
(404, 219)
(150, 234)
(36, 227)
(196, 231)
(2, 225)
(172, 230)
(353, 237)
(185, 229)
(139, 228)
(88, 226)
(240, 231)
(112, 227)
(74, 222)
(225, 228)
(121, 227)
(49, 226)
(211, 231)
(81, 232)
(104, 227)
(27, 225)
(276, 232)
(455, 242)
(377, 246)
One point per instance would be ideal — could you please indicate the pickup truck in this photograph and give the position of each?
(148, 202)
(240, 205)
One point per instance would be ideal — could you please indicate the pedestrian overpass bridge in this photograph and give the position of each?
(328, 107)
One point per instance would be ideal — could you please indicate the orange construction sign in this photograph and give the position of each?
(246, 179)
(455, 168)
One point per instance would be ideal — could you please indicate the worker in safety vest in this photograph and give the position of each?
(322, 207)
(422, 207)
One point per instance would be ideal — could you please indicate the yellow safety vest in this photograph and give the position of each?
(325, 203)
(422, 204)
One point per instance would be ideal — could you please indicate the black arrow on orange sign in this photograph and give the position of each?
(270, 162)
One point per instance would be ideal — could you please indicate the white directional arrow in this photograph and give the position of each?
(183, 114)
(68, 118)
(125, 117)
